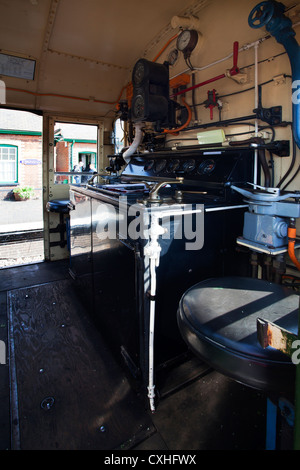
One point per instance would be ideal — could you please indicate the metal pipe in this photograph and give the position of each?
(206, 82)
(136, 142)
(152, 251)
(271, 15)
(233, 71)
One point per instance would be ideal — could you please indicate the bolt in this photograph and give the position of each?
(47, 403)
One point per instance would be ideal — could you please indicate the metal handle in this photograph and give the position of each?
(154, 196)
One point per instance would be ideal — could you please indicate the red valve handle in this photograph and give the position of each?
(235, 70)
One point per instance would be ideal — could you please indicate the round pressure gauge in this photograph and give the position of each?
(206, 167)
(160, 165)
(187, 41)
(149, 165)
(173, 165)
(173, 56)
(188, 166)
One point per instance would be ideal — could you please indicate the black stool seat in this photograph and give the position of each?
(58, 205)
(217, 319)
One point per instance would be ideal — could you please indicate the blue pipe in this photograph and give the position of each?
(271, 15)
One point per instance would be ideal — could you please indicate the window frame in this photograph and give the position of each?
(8, 182)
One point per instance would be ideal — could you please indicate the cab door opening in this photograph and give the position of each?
(21, 188)
(76, 151)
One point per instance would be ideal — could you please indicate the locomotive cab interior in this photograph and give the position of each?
(162, 141)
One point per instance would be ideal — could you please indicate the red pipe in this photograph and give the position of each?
(210, 80)
(233, 71)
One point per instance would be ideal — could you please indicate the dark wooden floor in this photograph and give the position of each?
(13, 279)
(62, 389)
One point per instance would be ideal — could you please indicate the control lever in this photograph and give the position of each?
(179, 194)
(153, 194)
(212, 101)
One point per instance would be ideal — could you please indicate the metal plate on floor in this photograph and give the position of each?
(67, 390)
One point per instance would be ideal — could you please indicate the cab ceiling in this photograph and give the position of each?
(84, 50)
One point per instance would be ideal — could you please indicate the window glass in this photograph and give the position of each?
(8, 164)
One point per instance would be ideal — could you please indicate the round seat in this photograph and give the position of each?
(217, 319)
(58, 205)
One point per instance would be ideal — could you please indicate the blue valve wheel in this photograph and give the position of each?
(261, 14)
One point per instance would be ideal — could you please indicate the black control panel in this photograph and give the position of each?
(224, 166)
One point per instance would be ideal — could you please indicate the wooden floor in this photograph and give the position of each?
(62, 388)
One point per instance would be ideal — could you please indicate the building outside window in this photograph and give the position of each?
(20, 152)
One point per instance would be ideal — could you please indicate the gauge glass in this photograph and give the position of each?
(149, 165)
(160, 165)
(206, 167)
(173, 56)
(188, 166)
(173, 165)
(183, 39)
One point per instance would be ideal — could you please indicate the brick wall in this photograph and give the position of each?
(62, 152)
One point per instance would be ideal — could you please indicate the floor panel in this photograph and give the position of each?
(70, 393)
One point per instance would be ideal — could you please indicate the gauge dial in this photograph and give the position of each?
(188, 166)
(160, 165)
(173, 165)
(206, 167)
(187, 41)
(173, 56)
(149, 165)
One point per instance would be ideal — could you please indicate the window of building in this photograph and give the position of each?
(88, 159)
(8, 164)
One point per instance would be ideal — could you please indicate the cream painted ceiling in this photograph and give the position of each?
(85, 49)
